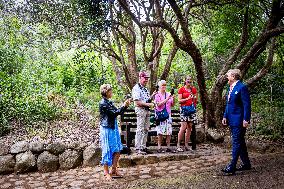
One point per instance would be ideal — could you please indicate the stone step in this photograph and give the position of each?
(133, 160)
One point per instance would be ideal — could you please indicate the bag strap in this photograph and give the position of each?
(191, 98)
(165, 103)
(165, 99)
(143, 88)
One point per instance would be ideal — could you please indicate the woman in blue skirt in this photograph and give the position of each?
(109, 134)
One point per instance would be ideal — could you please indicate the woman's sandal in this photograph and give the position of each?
(108, 177)
(179, 149)
(160, 150)
(170, 150)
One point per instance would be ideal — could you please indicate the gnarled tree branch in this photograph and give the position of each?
(170, 58)
(125, 6)
(251, 82)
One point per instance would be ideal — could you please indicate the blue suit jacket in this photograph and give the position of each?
(238, 107)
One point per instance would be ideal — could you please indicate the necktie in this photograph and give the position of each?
(231, 88)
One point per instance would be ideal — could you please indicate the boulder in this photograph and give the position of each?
(77, 146)
(7, 164)
(19, 147)
(4, 149)
(47, 162)
(138, 160)
(56, 148)
(168, 157)
(214, 135)
(36, 147)
(151, 159)
(200, 134)
(124, 162)
(252, 144)
(25, 162)
(92, 156)
(256, 145)
(70, 159)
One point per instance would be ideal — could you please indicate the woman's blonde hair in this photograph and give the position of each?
(104, 89)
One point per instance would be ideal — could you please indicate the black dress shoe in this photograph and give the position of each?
(228, 171)
(243, 167)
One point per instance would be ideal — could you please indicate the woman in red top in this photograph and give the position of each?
(186, 95)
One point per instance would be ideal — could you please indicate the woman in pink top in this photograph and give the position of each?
(162, 99)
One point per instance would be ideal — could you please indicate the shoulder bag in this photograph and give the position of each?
(188, 110)
(162, 115)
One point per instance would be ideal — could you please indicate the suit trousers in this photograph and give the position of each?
(239, 146)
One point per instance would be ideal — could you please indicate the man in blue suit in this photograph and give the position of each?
(237, 116)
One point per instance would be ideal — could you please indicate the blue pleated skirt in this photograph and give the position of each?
(110, 143)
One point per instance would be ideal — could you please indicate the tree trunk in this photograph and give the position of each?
(213, 105)
(118, 73)
(131, 48)
(132, 65)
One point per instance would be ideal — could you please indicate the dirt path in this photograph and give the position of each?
(267, 172)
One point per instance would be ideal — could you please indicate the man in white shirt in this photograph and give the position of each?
(142, 101)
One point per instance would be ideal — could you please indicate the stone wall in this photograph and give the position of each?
(37, 156)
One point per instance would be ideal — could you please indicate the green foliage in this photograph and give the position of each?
(88, 70)
(75, 19)
(22, 97)
(40, 80)
(95, 12)
(268, 104)
(81, 76)
(13, 56)
(270, 118)
(43, 75)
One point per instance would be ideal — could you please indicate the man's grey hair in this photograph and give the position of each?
(161, 82)
(236, 73)
(104, 89)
